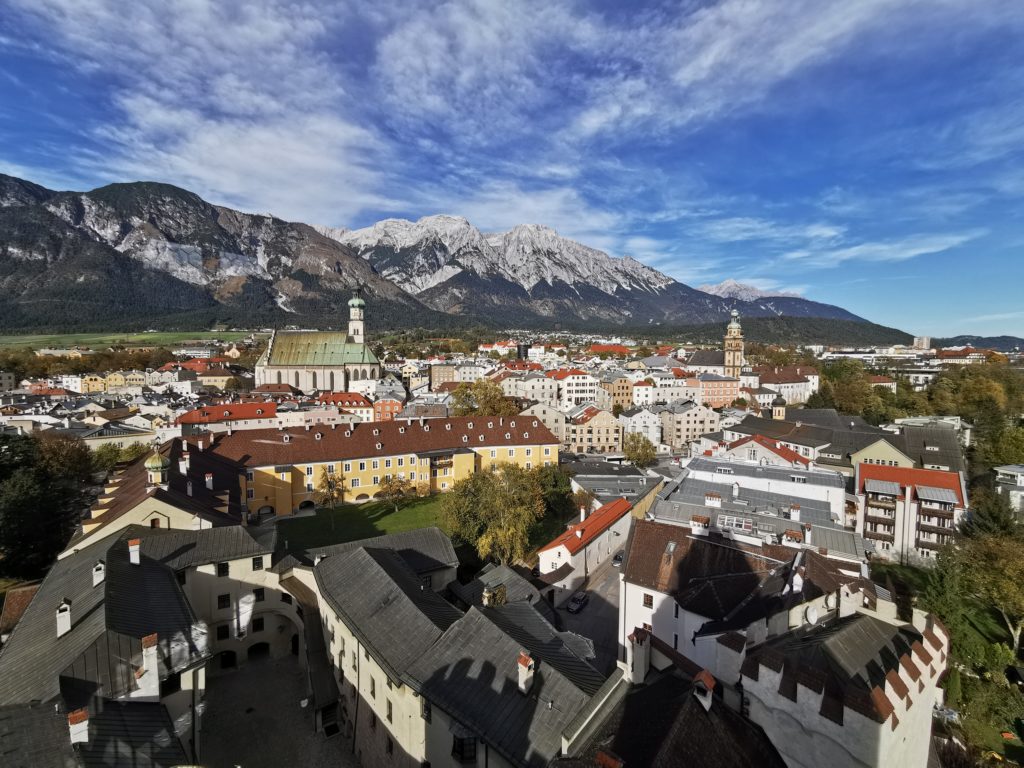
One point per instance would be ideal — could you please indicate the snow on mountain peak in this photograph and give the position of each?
(732, 289)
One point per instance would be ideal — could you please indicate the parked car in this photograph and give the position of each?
(617, 560)
(577, 601)
(535, 571)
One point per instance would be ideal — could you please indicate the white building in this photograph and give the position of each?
(644, 422)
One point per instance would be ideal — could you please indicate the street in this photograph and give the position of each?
(599, 619)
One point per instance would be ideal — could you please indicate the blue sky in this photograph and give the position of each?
(866, 153)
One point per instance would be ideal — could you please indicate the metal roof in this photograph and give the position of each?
(943, 495)
(317, 348)
(888, 487)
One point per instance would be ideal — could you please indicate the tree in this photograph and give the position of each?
(995, 575)
(133, 451)
(105, 457)
(330, 489)
(482, 398)
(583, 499)
(495, 511)
(64, 456)
(556, 488)
(990, 515)
(394, 489)
(36, 520)
(639, 450)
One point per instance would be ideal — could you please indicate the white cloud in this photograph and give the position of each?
(902, 249)
(993, 318)
(744, 228)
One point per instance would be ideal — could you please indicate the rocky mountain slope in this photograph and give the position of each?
(154, 253)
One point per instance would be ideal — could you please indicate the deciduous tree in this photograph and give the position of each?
(639, 450)
(395, 489)
(995, 575)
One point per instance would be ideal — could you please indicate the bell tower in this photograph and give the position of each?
(733, 347)
(356, 307)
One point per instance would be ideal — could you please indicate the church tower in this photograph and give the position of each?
(356, 306)
(734, 347)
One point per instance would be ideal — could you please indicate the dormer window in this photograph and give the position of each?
(465, 438)
(448, 427)
(317, 436)
(508, 435)
(426, 427)
(512, 424)
(376, 432)
(401, 430)
(287, 438)
(259, 411)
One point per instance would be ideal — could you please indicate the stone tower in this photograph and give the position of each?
(734, 347)
(356, 305)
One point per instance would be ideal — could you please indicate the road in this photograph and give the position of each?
(599, 619)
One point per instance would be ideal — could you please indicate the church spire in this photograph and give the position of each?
(356, 306)
(733, 346)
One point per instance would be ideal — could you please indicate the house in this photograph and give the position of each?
(644, 393)
(575, 387)
(441, 373)
(532, 386)
(220, 418)
(350, 402)
(716, 391)
(684, 422)
(909, 513)
(552, 418)
(795, 383)
(593, 430)
(644, 422)
(1010, 483)
(583, 547)
(283, 467)
(218, 378)
(387, 407)
(762, 450)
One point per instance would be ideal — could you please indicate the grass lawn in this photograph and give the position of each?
(357, 521)
(159, 338)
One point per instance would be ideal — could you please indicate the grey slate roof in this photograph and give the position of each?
(138, 734)
(517, 589)
(35, 736)
(108, 621)
(379, 598)
(707, 357)
(179, 549)
(471, 673)
(933, 445)
(424, 549)
(829, 479)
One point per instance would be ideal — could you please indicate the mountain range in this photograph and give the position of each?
(157, 255)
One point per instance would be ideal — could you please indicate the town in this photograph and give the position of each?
(550, 550)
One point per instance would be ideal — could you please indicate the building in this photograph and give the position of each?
(644, 422)
(552, 418)
(1010, 483)
(9, 381)
(909, 513)
(442, 373)
(575, 387)
(884, 382)
(716, 391)
(684, 422)
(593, 430)
(320, 360)
(620, 387)
(387, 407)
(733, 348)
(279, 471)
(350, 402)
(568, 560)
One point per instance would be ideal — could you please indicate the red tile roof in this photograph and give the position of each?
(881, 380)
(599, 521)
(345, 399)
(214, 414)
(266, 447)
(610, 349)
(564, 373)
(15, 603)
(911, 476)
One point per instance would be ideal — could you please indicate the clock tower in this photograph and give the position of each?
(734, 347)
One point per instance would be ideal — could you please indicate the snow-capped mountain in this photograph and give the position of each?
(731, 289)
(147, 249)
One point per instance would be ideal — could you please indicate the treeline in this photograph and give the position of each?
(24, 363)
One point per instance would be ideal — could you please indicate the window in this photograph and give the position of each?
(353, 659)
(259, 594)
(223, 632)
(347, 466)
(464, 750)
(511, 453)
(309, 471)
(355, 482)
(494, 453)
(375, 464)
(529, 451)
(390, 711)
(154, 523)
(648, 601)
(390, 747)
(412, 475)
(286, 598)
(362, 466)
(257, 624)
(309, 487)
(401, 461)
(427, 581)
(249, 475)
(250, 493)
(222, 569)
(373, 688)
(373, 721)
(675, 642)
(387, 463)
(223, 601)
(677, 610)
(257, 563)
(330, 469)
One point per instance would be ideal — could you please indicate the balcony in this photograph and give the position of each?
(882, 503)
(925, 544)
(880, 520)
(936, 511)
(941, 530)
(879, 536)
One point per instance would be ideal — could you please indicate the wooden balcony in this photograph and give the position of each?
(941, 530)
(880, 520)
(881, 503)
(935, 511)
(925, 544)
(879, 536)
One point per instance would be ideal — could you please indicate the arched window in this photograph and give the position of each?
(278, 377)
(314, 380)
(332, 381)
(296, 379)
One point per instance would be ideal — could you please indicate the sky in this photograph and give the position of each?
(866, 153)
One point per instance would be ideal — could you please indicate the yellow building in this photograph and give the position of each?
(215, 377)
(114, 380)
(93, 383)
(282, 468)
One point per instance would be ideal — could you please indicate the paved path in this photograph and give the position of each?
(253, 720)
(599, 620)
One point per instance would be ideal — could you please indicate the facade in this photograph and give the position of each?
(643, 422)
(280, 470)
(594, 431)
(552, 418)
(320, 360)
(684, 422)
(908, 513)
(387, 408)
(532, 386)
(575, 387)
(716, 391)
(620, 387)
(442, 373)
(1010, 483)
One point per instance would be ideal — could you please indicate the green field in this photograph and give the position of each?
(351, 522)
(157, 339)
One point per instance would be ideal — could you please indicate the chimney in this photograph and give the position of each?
(63, 617)
(583, 513)
(184, 463)
(209, 481)
(78, 726)
(794, 512)
(147, 678)
(526, 668)
(99, 572)
(638, 655)
(188, 488)
(807, 534)
(703, 688)
(133, 551)
(199, 446)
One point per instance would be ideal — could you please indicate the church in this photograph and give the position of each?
(729, 360)
(325, 361)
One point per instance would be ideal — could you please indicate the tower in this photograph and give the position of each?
(734, 347)
(779, 408)
(356, 305)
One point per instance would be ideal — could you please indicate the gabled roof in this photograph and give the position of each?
(214, 414)
(564, 373)
(423, 549)
(578, 536)
(345, 399)
(316, 348)
(912, 477)
(787, 454)
(707, 358)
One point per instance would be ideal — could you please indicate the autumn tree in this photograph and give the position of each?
(995, 575)
(394, 490)
(64, 456)
(639, 450)
(990, 515)
(494, 511)
(330, 489)
(482, 398)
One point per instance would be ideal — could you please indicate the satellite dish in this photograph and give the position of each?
(811, 614)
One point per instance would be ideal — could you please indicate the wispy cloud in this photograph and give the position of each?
(902, 249)
(998, 316)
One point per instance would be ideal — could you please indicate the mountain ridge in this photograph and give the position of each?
(246, 268)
